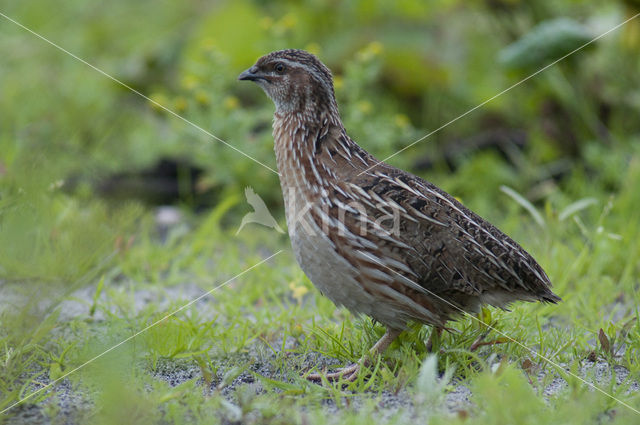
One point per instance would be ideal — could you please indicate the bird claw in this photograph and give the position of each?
(349, 373)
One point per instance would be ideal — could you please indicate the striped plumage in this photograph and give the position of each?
(371, 237)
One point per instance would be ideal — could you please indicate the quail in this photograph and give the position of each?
(373, 238)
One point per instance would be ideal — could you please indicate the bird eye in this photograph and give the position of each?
(279, 67)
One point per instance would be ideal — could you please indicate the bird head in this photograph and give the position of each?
(295, 80)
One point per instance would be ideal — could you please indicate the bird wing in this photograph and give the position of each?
(433, 240)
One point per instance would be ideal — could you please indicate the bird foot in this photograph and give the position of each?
(349, 373)
(479, 342)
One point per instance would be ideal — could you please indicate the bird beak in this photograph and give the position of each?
(250, 74)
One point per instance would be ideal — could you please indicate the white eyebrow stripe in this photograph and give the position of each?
(288, 62)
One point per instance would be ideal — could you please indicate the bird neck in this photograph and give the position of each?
(298, 138)
(313, 150)
(298, 131)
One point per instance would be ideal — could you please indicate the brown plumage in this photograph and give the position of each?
(371, 237)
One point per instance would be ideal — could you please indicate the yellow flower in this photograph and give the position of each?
(297, 330)
(288, 21)
(231, 102)
(365, 106)
(180, 104)
(298, 290)
(208, 43)
(158, 100)
(370, 51)
(338, 82)
(190, 82)
(631, 36)
(313, 48)
(375, 47)
(401, 120)
(202, 98)
(266, 22)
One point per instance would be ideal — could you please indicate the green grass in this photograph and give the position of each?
(80, 274)
(271, 320)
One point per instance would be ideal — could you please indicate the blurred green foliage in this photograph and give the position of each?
(402, 69)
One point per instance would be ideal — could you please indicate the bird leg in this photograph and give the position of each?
(434, 338)
(350, 373)
(479, 342)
